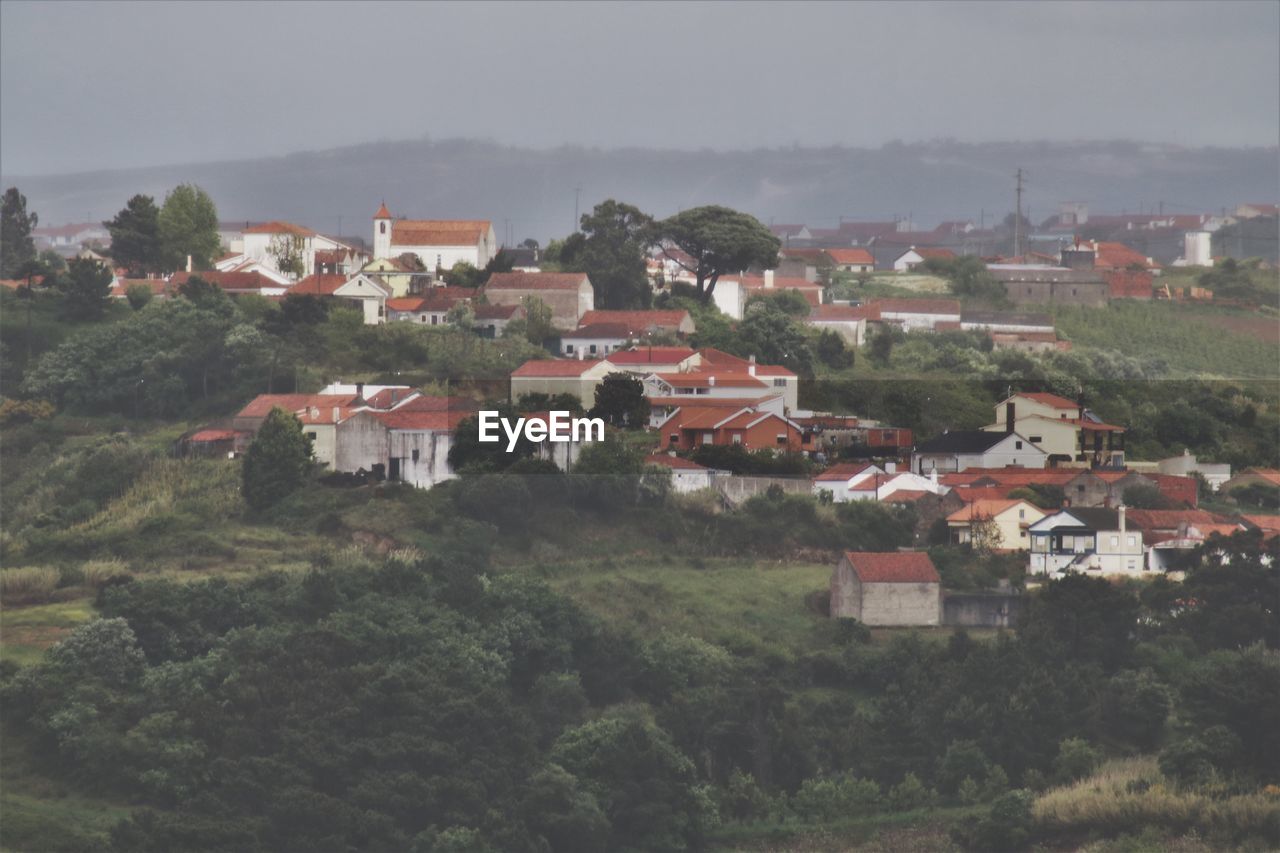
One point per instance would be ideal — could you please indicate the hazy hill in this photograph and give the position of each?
(534, 189)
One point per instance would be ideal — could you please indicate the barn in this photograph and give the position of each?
(900, 588)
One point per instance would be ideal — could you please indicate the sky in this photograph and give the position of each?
(121, 85)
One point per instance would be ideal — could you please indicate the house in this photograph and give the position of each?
(961, 449)
(367, 293)
(1043, 284)
(272, 243)
(159, 288)
(231, 283)
(645, 360)
(1253, 211)
(852, 260)
(686, 476)
(848, 481)
(1063, 428)
(242, 264)
(563, 454)
(431, 308)
(887, 589)
(491, 321)
(893, 481)
(847, 321)
(404, 275)
(406, 446)
(754, 428)
(917, 255)
(437, 243)
(595, 339)
(578, 377)
(1007, 330)
(779, 378)
(568, 295)
(661, 408)
(1187, 465)
(1252, 477)
(734, 291)
(1086, 539)
(918, 314)
(1128, 273)
(70, 236)
(996, 525)
(643, 324)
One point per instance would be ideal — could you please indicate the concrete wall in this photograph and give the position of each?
(738, 489)
(901, 604)
(1058, 292)
(431, 466)
(361, 443)
(981, 609)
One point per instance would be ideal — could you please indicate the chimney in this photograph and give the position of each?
(359, 390)
(751, 365)
(335, 414)
(711, 381)
(188, 263)
(891, 467)
(768, 278)
(1009, 418)
(933, 478)
(315, 413)
(1120, 515)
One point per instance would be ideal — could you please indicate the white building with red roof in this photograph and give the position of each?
(733, 291)
(899, 588)
(438, 243)
(686, 475)
(269, 243)
(578, 377)
(641, 324)
(847, 321)
(917, 255)
(848, 481)
(926, 315)
(1062, 428)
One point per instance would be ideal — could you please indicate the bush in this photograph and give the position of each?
(96, 573)
(1007, 826)
(499, 499)
(963, 760)
(1076, 760)
(29, 584)
(910, 794)
(833, 797)
(277, 462)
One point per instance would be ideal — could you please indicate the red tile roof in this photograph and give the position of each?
(567, 367)
(917, 306)
(983, 508)
(904, 496)
(261, 406)
(843, 471)
(708, 379)
(536, 281)
(637, 321)
(971, 494)
(669, 461)
(893, 567)
(650, 355)
(1052, 400)
(276, 227)
(1169, 519)
(382, 213)
(844, 313)
(432, 421)
(319, 284)
(612, 331)
(225, 280)
(495, 312)
(1264, 522)
(851, 256)
(438, 232)
(206, 435)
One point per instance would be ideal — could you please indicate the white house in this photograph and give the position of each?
(438, 243)
(595, 339)
(847, 321)
(960, 449)
(927, 315)
(1215, 474)
(686, 476)
(405, 445)
(1094, 540)
(271, 242)
(849, 481)
(913, 257)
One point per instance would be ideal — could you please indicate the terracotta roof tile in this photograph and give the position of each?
(893, 567)
(555, 367)
(535, 281)
(438, 232)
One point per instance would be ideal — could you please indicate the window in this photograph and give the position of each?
(737, 438)
(591, 349)
(1115, 541)
(1023, 534)
(674, 438)
(415, 454)
(1068, 543)
(1080, 489)
(706, 438)
(311, 436)
(382, 228)
(1022, 513)
(1017, 445)
(1039, 544)
(423, 318)
(568, 348)
(782, 438)
(435, 320)
(1034, 439)
(1131, 541)
(779, 383)
(439, 261)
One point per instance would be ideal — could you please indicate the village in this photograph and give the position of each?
(1046, 478)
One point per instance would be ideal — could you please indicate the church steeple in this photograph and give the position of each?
(382, 232)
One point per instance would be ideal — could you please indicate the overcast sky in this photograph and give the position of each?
(99, 85)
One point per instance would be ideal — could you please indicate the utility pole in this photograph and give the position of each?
(577, 195)
(1017, 215)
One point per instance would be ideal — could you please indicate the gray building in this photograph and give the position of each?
(1035, 284)
(900, 588)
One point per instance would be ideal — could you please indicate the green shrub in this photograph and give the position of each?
(833, 797)
(1076, 759)
(910, 794)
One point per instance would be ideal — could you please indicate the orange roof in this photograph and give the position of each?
(709, 379)
(636, 321)
(892, 567)
(851, 256)
(843, 471)
(1271, 475)
(225, 280)
(1169, 519)
(319, 284)
(535, 281)
(438, 232)
(415, 419)
(261, 406)
(838, 313)
(970, 494)
(984, 508)
(670, 461)
(705, 402)
(1051, 400)
(1110, 255)
(1264, 522)
(904, 496)
(555, 367)
(917, 306)
(277, 227)
(382, 213)
(650, 355)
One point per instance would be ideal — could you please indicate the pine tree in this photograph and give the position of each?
(135, 236)
(16, 245)
(277, 462)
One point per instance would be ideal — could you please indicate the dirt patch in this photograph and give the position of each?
(1263, 328)
(35, 636)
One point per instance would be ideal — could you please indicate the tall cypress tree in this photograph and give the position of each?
(277, 462)
(16, 225)
(135, 236)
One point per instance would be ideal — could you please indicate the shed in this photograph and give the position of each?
(900, 588)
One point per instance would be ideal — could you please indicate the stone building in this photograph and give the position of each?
(900, 588)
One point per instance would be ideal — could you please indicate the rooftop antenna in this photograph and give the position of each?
(577, 195)
(1017, 215)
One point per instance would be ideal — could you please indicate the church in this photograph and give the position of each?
(438, 243)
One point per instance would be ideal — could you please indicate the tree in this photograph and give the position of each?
(968, 276)
(537, 320)
(189, 227)
(16, 245)
(135, 236)
(620, 401)
(832, 351)
(287, 251)
(984, 534)
(138, 296)
(774, 337)
(86, 289)
(278, 460)
(610, 248)
(200, 291)
(718, 240)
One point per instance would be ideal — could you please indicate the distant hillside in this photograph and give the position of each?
(534, 189)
